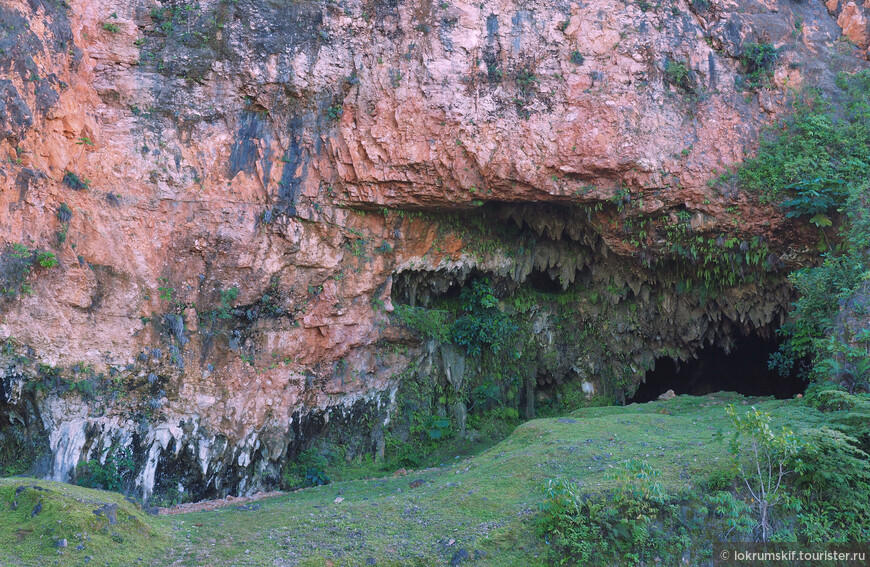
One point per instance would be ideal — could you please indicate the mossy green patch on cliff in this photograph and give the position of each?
(44, 522)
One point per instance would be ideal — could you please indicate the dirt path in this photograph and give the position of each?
(206, 505)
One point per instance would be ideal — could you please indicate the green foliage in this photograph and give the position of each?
(46, 259)
(16, 264)
(758, 60)
(334, 112)
(710, 262)
(815, 198)
(111, 28)
(227, 298)
(635, 524)
(761, 458)
(75, 182)
(478, 325)
(64, 213)
(833, 469)
(115, 473)
(577, 58)
(827, 322)
(719, 480)
(307, 469)
(833, 476)
(819, 159)
(677, 73)
(165, 291)
(818, 152)
(526, 79)
(482, 325)
(429, 323)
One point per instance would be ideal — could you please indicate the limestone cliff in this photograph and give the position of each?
(237, 191)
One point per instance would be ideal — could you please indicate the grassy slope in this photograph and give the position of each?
(67, 512)
(484, 504)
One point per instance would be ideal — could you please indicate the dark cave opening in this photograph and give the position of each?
(543, 282)
(743, 370)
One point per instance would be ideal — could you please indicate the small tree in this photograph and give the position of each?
(761, 458)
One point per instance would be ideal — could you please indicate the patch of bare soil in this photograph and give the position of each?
(206, 505)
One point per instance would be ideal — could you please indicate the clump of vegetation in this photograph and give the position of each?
(111, 28)
(758, 60)
(307, 469)
(17, 262)
(818, 152)
(75, 182)
(46, 259)
(64, 213)
(335, 112)
(115, 473)
(577, 58)
(632, 522)
(526, 79)
(678, 74)
(477, 326)
(817, 163)
(787, 491)
(228, 296)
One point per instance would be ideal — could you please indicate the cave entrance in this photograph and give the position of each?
(743, 370)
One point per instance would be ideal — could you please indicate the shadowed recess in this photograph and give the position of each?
(743, 369)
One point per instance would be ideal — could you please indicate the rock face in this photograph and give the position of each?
(236, 192)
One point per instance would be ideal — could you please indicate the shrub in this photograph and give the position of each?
(483, 324)
(635, 524)
(429, 323)
(823, 146)
(115, 473)
(719, 480)
(111, 28)
(46, 259)
(762, 458)
(758, 60)
(307, 469)
(227, 298)
(833, 474)
(814, 198)
(335, 112)
(677, 73)
(16, 264)
(75, 182)
(64, 213)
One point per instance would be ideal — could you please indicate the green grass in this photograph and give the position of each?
(485, 504)
(67, 512)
